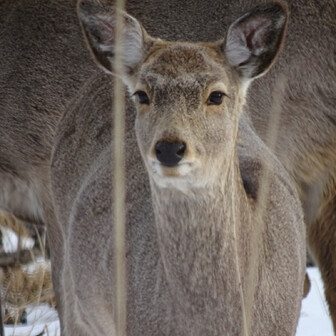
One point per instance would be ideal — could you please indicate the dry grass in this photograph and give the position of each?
(10, 222)
(24, 284)
(21, 288)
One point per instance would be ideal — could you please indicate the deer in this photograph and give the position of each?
(190, 221)
(46, 67)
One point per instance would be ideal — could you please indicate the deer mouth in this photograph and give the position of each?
(179, 177)
(179, 170)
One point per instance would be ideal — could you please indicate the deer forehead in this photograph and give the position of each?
(176, 58)
(185, 67)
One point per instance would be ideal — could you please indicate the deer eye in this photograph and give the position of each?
(215, 98)
(142, 97)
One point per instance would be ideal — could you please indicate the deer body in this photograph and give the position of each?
(187, 260)
(36, 86)
(152, 286)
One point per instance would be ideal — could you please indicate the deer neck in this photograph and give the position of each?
(197, 234)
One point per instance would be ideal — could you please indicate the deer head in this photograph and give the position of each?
(188, 96)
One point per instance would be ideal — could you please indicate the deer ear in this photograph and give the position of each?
(254, 40)
(98, 22)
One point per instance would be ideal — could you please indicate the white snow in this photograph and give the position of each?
(40, 319)
(315, 319)
(10, 241)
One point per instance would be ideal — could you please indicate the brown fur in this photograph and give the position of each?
(182, 269)
(50, 71)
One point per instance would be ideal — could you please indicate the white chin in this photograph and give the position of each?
(181, 177)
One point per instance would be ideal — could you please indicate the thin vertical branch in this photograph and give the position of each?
(119, 176)
(263, 192)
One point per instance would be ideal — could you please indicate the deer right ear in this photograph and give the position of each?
(254, 40)
(99, 26)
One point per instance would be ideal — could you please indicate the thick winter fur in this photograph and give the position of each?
(185, 267)
(45, 63)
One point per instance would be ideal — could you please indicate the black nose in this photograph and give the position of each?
(170, 153)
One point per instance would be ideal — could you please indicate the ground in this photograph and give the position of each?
(314, 320)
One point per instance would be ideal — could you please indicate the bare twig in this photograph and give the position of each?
(119, 176)
(263, 192)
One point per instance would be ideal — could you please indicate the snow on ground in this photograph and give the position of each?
(41, 321)
(314, 319)
(10, 241)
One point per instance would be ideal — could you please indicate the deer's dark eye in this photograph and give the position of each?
(142, 97)
(215, 98)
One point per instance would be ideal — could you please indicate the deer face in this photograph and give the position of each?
(188, 102)
(188, 96)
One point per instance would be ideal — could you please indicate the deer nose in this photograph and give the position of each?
(170, 153)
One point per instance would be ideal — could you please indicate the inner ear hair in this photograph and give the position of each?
(255, 39)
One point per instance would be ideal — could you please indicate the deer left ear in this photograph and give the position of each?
(98, 22)
(254, 40)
